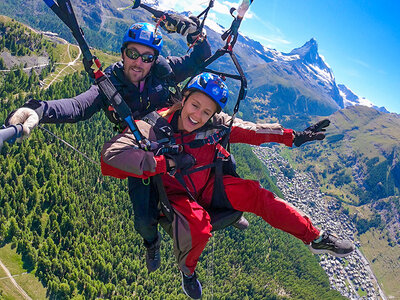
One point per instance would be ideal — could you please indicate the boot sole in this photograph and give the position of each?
(323, 251)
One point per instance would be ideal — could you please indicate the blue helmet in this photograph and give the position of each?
(144, 34)
(213, 86)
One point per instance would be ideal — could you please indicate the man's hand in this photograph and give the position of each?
(25, 116)
(188, 27)
(88, 67)
(312, 133)
(182, 162)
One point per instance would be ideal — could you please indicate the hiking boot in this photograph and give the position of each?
(330, 243)
(191, 286)
(241, 224)
(153, 257)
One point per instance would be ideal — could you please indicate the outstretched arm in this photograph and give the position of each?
(185, 66)
(70, 110)
(255, 134)
(121, 157)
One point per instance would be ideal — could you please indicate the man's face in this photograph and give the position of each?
(136, 70)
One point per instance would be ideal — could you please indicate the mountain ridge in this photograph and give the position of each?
(301, 75)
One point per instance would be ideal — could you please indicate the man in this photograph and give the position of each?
(143, 78)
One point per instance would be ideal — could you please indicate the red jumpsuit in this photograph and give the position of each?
(191, 225)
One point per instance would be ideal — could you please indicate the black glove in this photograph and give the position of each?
(320, 126)
(312, 133)
(188, 27)
(183, 162)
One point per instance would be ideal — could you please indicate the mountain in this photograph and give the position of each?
(352, 99)
(280, 85)
(358, 164)
(360, 157)
(299, 82)
(357, 167)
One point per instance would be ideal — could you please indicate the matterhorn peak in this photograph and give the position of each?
(308, 52)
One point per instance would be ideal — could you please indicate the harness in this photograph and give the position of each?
(221, 212)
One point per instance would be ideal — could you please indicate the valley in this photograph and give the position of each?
(352, 276)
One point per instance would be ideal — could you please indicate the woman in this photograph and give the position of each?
(198, 117)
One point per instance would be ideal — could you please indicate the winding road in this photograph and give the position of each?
(69, 64)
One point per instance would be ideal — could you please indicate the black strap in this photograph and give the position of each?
(64, 11)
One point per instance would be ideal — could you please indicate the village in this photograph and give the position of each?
(351, 276)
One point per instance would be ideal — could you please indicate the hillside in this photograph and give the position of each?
(74, 228)
(357, 166)
(360, 155)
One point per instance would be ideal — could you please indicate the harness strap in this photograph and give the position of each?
(210, 140)
(198, 169)
(179, 177)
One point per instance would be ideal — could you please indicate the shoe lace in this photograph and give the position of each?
(152, 252)
(191, 281)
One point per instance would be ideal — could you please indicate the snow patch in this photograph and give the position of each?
(289, 57)
(323, 75)
(324, 60)
(358, 101)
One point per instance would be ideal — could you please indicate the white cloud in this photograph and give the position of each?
(360, 62)
(183, 5)
(221, 7)
(273, 36)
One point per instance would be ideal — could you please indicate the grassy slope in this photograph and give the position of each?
(366, 132)
(385, 261)
(27, 281)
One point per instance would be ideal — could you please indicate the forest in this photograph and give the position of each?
(74, 227)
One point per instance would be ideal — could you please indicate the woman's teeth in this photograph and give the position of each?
(193, 121)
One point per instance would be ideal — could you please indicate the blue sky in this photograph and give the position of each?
(359, 39)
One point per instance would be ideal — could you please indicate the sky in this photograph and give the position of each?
(359, 39)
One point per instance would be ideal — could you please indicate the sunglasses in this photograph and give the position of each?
(133, 54)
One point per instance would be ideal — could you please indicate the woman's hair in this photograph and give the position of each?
(175, 107)
(177, 104)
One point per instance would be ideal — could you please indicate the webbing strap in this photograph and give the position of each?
(64, 11)
(210, 140)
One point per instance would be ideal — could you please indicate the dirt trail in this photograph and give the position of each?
(17, 286)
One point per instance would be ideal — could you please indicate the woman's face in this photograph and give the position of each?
(197, 109)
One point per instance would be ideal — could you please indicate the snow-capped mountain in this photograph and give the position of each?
(291, 83)
(351, 99)
(299, 82)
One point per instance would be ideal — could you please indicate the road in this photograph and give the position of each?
(69, 64)
(17, 286)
